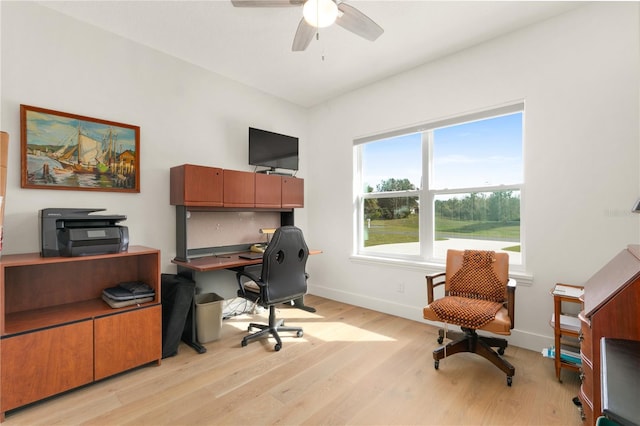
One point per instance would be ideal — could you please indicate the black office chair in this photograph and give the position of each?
(283, 279)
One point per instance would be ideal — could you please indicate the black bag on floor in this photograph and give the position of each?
(177, 298)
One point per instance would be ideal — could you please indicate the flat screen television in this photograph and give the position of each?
(273, 150)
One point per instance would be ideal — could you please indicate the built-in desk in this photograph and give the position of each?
(620, 380)
(229, 261)
(202, 189)
(217, 262)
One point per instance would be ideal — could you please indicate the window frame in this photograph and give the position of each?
(426, 233)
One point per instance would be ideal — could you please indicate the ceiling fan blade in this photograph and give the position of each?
(303, 37)
(358, 23)
(266, 3)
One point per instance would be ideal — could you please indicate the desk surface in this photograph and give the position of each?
(620, 380)
(222, 261)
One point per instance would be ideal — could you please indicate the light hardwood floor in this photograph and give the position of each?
(353, 366)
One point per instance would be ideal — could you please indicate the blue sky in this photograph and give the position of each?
(486, 152)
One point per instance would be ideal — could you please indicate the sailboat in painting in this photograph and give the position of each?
(83, 156)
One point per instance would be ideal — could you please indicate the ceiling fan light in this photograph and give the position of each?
(320, 13)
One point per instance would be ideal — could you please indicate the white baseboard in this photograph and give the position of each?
(520, 338)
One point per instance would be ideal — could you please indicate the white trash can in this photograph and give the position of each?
(208, 317)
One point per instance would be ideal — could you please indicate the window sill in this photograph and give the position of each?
(521, 277)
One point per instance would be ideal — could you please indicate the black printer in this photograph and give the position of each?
(75, 232)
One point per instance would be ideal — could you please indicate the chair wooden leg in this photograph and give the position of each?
(454, 347)
(470, 341)
(484, 350)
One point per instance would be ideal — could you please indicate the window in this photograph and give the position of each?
(455, 183)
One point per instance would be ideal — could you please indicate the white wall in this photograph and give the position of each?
(578, 75)
(186, 115)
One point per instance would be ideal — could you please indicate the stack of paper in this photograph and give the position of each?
(567, 290)
(567, 322)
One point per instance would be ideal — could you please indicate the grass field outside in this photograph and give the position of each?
(398, 231)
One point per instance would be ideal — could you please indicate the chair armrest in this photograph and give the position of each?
(432, 282)
(511, 300)
(250, 276)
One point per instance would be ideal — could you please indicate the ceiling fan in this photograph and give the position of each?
(320, 14)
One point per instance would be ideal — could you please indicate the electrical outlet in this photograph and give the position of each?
(400, 288)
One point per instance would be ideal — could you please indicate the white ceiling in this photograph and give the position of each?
(253, 45)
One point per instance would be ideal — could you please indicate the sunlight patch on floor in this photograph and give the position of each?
(313, 324)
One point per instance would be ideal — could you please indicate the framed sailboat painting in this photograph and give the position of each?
(72, 152)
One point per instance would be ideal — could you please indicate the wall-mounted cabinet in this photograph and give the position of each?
(292, 192)
(196, 186)
(202, 186)
(268, 191)
(57, 333)
(239, 189)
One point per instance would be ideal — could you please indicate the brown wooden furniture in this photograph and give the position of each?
(239, 189)
(611, 310)
(202, 186)
(268, 191)
(196, 186)
(560, 331)
(57, 333)
(474, 279)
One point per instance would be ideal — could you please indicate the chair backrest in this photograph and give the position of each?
(284, 266)
(484, 276)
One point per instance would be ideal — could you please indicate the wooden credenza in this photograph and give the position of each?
(56, 333)
(612, 310)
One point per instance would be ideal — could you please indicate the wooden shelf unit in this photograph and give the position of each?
(57, 333)
(559, 331)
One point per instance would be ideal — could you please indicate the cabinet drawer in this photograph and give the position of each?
(587, 407)
(127, 340)
(586, 346)
(587, 379)
(43, 363)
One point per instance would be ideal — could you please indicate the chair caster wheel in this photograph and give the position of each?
(501, 351)
(244, 343)
(277, 347)
(249, 328)
(509, 380)
(436, 364)
(300, 333)
(440, 340)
